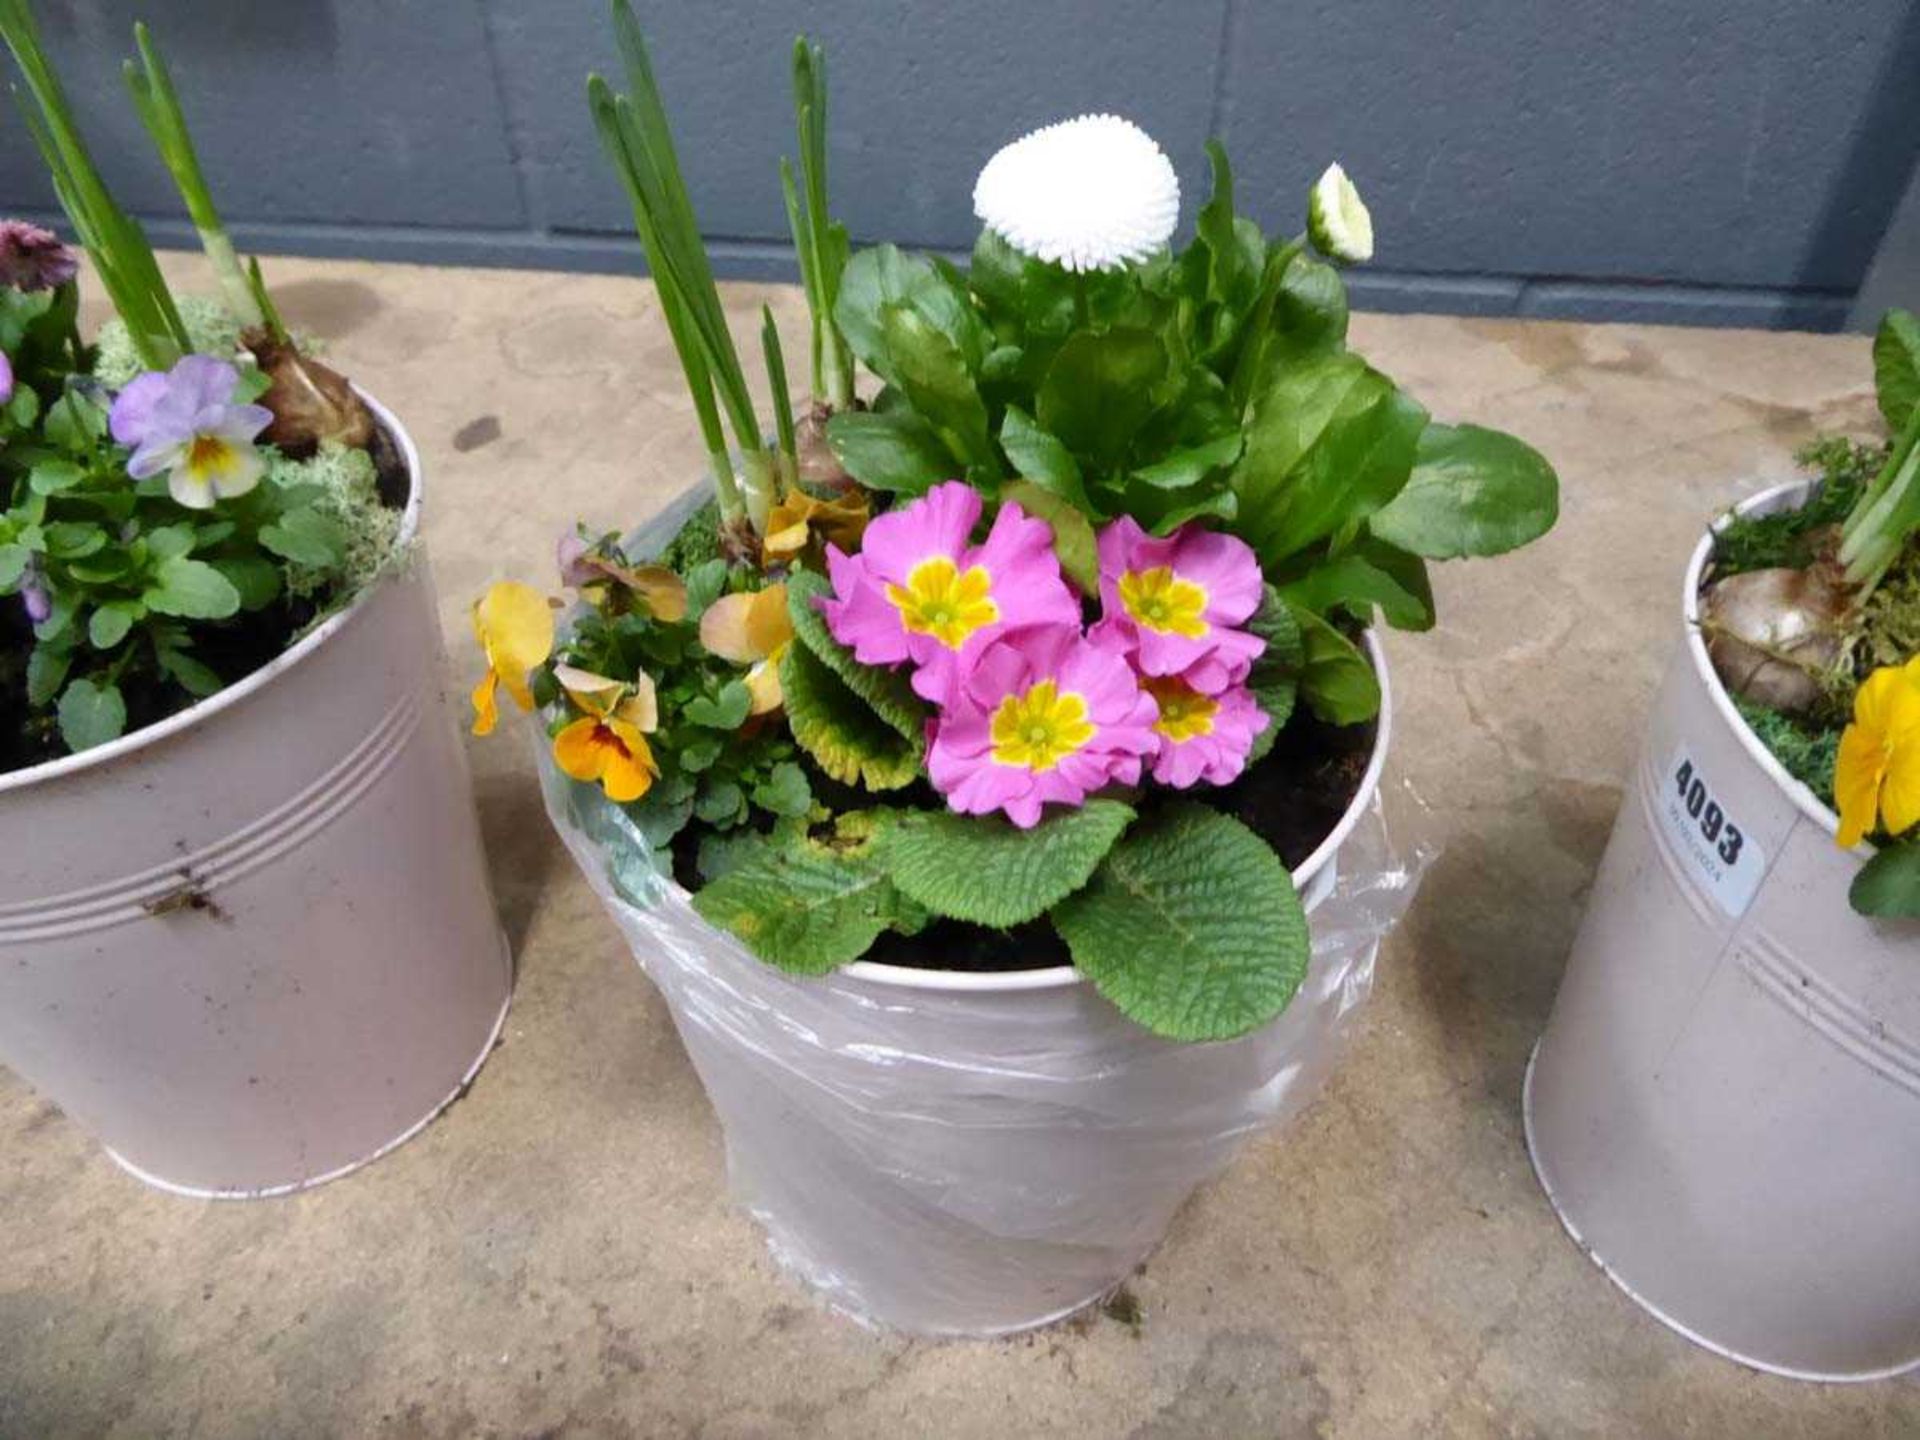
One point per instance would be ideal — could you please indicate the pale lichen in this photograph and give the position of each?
(349, 495)
(211, 329)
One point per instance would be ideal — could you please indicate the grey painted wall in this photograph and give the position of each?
(1710, 161)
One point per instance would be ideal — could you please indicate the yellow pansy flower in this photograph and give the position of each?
(607, 745)
(514, 625)
(752, 628)
(1876, 781)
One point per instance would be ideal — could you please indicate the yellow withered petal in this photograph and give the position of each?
(641, 709)
(486, 704)
(595, 694)
(514, 625)
(763, 684)
(747, 627)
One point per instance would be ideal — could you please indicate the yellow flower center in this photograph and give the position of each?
(1185, 714)
(209, 454)
(1039, 729)
(1161, 601)
(941, 600)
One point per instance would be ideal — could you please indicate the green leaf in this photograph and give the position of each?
(1073, 539)
(1896, 367)
(931, 372)
(1191, 927)
(727, 711)
(1472, 492)
(109, 624)
(306, 537)
(706, 583)
(256, 578)
(803, 904)
(1100, 389)
(721, 803)
(847, 739)
(1040, 458)
(91, 713)
(47, 670)
(13, 564)
(191, 589)
(1335, 679)
(1032, 296)
(988, 871)
(74, 539)
(883, 277)
(896, 451)
(1192, 465)
(167, 541)
(888, 690)
(1355, 583)
(1888, 885)
(1275, 677)
(785, 790)
(1358, 458)
(51, 477)
(75, 423)
(197, 679)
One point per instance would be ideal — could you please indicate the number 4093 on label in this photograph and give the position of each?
(1710, 842)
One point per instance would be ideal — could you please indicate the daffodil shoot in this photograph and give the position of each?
(182, 497)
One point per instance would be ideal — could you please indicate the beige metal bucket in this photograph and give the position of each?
(1725, 1107)
(253, 947)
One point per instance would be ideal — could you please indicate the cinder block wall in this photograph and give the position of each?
(1705, 161)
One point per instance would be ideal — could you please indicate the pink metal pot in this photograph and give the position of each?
(253, 947)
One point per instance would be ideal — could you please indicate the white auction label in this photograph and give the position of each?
(1718, 847)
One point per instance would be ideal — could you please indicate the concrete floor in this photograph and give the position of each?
(557, 1255)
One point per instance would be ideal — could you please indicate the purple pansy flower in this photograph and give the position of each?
(185, 422)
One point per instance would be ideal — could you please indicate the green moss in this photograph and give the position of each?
(212, 330)
(1890, 622)
(1761, 542)
(697, 542)
(349, 495)
(1807, 752)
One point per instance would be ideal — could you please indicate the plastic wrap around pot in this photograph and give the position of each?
(969, 1154)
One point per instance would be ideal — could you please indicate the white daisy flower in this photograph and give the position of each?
(1093, 193)
(1337, 219)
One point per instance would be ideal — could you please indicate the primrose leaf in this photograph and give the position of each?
(847, 739)
(888, 691)
(1074, 542)
(1101, 389)
(806, 905)
(1335, 679)
(895, 451)
(1040, 458)
(191, 589)
(1896, 367)
(91, 713)
(1473, 491)
(1191, 926)
(306, 537)
(988, 871)
(1275, 677)
(726, 711)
